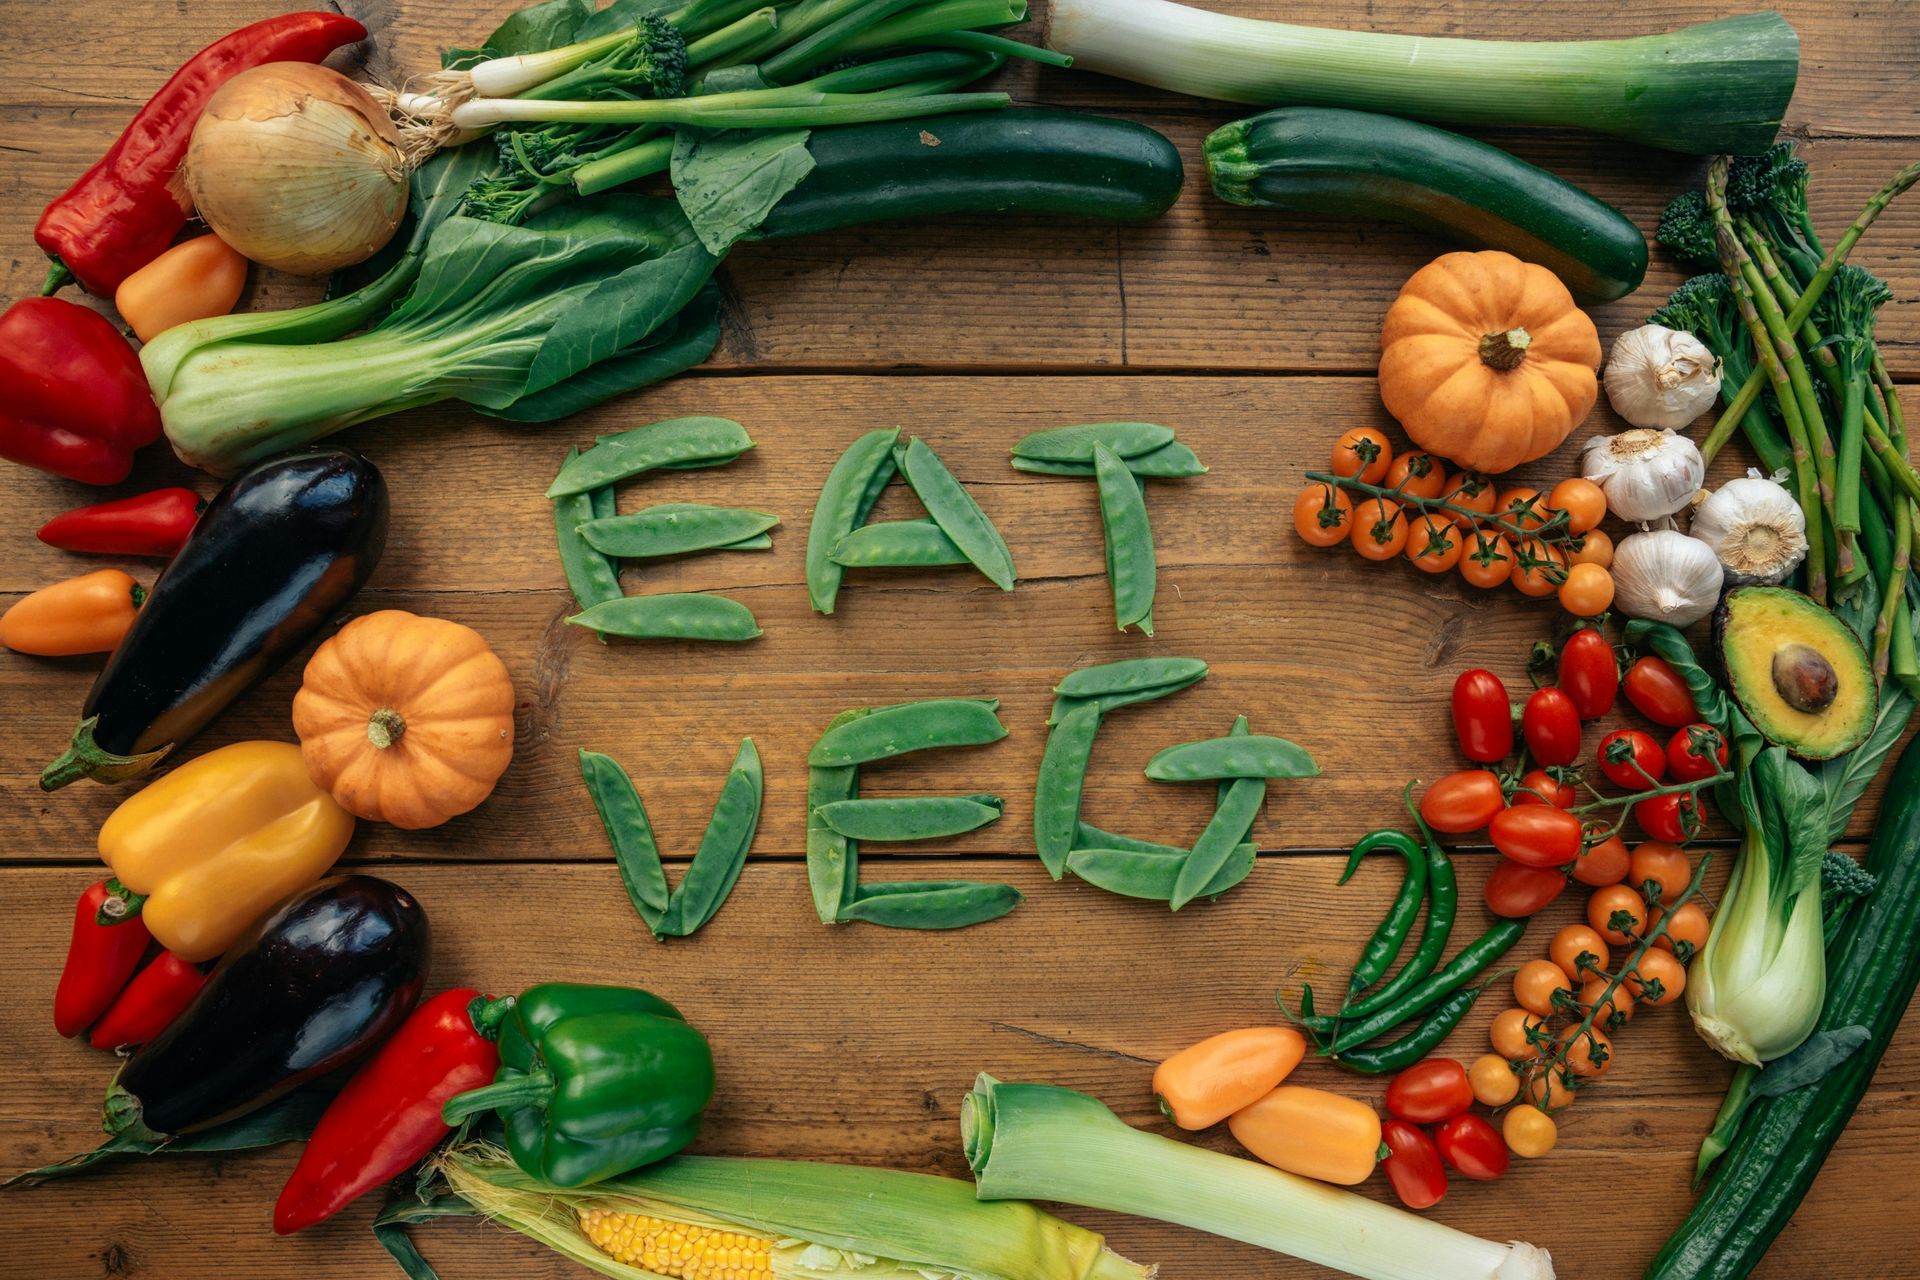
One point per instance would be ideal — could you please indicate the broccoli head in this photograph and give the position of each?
(1704, 306)
(1770, 191)
(1686, 227)
(1847, 310)
(1843, 882)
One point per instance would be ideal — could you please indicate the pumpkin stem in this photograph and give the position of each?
(1505, 351)
(385, 727)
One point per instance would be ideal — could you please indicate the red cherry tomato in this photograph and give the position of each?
(1552, 727)
(1675, 818)
(1413, 1165)
(1659, 693)
(1516, 892)
(1430, 1091)
(1696, 751)
(1589, 673)
(1537, 835)
(1604, 863)
(1462, 802)
(1472, 1147)
(1482, 716)
(1632, 760)
(1541, 787)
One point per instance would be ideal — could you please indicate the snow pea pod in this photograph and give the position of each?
(631, 834)
(1169, 462)
(1151, 873)
(676, 442)
(1472, 960)
(955, 511)
(673, 529)
(897, 544)
(1215, 847)
(847, 498)
(910, 726)
(1063, 776)
(1240, 730)
(910, 817)
(833, 861)
(717, 863)
(931, 904)
(1384, 947)
(1089, 836)
(1131, 675)
(1397, 1055)
(1256, 756)
(682, 615)
(591, 576)
(1129, 540)
(1077, 443)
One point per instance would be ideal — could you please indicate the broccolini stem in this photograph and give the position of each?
(1894, 592)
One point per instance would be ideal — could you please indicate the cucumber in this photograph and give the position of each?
(1871, 975)
(1011, 161)
(1359, 165)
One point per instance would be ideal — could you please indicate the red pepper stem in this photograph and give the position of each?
(533, 1089)
(488, 1014)
(120, 905)
(58, 277)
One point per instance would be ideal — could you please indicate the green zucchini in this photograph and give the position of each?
(1012, 161)
(1356, 164)
(1871, 974)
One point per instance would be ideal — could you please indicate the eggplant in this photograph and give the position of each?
(274, 554)
(308, 989)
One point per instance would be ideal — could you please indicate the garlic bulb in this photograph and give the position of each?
(298, 168)
(1646, 474)
(1661, 377)
(1665, 575)
(1755, 528)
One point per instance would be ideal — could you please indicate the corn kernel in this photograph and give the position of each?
(676, 1249)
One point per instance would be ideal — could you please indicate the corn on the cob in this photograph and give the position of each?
(678, 1250)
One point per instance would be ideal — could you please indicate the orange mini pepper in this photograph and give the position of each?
(1311, 1132)
(193, 280)
(1203, 1085)
(87, 614)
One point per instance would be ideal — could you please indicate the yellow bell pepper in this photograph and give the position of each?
(212, 846)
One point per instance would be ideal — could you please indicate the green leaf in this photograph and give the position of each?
(287, 1119)
(674, 347)
(547, 25)
(1819, 1054)
(1793, 812)
(1846, 778)
(729, 180)
(390, 1228)
(621, 13)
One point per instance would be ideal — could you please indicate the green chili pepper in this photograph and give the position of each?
(1383, 948)
(1473, 958)
(1443, 903)
(1416, 1044)
(593, 1080)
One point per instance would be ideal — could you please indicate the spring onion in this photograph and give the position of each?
(1717, 86)
(1041, 1142)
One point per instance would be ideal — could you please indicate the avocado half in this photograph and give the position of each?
(1796, 670)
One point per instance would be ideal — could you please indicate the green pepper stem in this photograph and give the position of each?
(489, 1014)
(533, 1089)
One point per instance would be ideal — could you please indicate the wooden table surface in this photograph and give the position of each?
(1255, 337)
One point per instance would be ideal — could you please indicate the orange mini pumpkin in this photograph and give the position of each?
(405, 719)
(1484, 359)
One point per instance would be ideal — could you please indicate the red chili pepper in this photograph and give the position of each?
(100, 959)
(149, 524)
(122, 213)
(156, 996)
(73, 399)
(388, 1116)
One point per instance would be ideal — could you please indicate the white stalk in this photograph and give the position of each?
(505, 77)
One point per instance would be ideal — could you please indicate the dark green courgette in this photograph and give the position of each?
(1871, 975)
(1359, 165)
(1013, 161)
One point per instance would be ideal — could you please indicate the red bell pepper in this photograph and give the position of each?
(123, 212)
(100, 959)
(155, 997)
(148, 524)
(73, 399)
(388, 1116)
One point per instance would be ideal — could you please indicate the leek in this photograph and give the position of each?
(1717, 86)
(1040, 1142)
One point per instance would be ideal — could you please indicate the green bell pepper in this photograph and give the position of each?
(593, 1081)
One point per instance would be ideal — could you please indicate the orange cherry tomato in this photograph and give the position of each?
(1584, 502)
(1617, 900)
(1493, 1081)
(1486, 560)
(1587, 591)
(1661, 967)
(1434, 543)
(1536, 984)
(1471, 491)
(1689, 924)
(1571, 943)
(1595, 547)
(1510, 1031)
(1619, 1004)
(1664, 864)
(1322, 516)
(1521, 507)
(1418, 474)
(1529, 1132)
(1591, 1053)
(1550, 1090)
(1379, 529)
(1363, 453)
(1603, 864)
(1538, 568)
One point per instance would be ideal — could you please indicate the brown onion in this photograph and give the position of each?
(298, 168)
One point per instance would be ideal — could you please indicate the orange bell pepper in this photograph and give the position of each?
(193, 280)
(1203, 1085)
(1311, 1132)
(213, 846)
(87, 614)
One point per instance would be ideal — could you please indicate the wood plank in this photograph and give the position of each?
(861, 1050)
(1316, 646)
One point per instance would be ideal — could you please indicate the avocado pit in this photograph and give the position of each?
(1804, 678)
